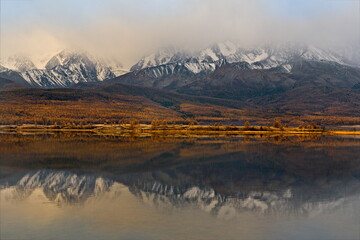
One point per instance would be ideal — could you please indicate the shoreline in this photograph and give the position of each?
(181, 130)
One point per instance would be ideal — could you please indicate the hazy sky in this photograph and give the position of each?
(128, 29)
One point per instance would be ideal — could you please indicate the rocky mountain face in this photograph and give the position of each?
(13, 76)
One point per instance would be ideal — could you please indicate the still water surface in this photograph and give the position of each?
(103, 187)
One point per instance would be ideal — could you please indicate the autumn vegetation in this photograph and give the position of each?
(60, 109)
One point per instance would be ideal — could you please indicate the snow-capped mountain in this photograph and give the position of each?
(264, 57)
(161, 57)
(65, 69)
(68, 68)
(228, 70)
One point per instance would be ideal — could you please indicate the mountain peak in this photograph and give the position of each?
(67, 57)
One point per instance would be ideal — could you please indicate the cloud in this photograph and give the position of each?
(130, 29)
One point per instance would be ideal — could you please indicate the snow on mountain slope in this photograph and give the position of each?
(79, 66)
(63, 70)
(43, 78)
(188, 67)
(161, 57)
(13, 76)
(263, 57)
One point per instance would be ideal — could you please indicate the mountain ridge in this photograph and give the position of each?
(262, 57)
(69, 67)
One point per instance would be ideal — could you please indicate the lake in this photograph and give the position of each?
(87, 186)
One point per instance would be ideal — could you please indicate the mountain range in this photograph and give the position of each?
(70, 67)
(278, 78)
(262, 57)
(288, 78)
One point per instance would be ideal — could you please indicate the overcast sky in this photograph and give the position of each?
(128, 29)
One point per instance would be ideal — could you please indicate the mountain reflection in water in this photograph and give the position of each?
(179, 189)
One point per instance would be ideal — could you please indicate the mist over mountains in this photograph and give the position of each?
(70, 67)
